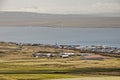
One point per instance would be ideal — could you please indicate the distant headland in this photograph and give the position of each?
(58, 20)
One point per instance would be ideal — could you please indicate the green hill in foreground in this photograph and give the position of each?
(16, 63)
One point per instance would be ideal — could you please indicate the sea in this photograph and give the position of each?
(61, 36)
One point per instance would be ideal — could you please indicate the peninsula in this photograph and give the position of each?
(58, 20)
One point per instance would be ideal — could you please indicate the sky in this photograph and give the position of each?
(62, 6)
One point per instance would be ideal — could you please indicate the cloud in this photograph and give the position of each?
(33, 9)
(63, 6)
(1, 3)
(105, 7)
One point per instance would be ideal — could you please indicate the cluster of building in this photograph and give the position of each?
(48, 55)
(37, 55)
(99, 49)
(92, 48)
(83, 56)
(102, 49)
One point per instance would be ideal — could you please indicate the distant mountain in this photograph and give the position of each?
(57, 20)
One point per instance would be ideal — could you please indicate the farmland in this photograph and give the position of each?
(16, 63)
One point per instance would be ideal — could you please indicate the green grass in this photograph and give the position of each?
(35, 76)
(93, 78)
(55, 76)
(19, 65)
(39, 69)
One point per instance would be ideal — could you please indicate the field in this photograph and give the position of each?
(92, 78)
(16, 63)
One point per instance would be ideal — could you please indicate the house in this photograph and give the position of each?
(64, 56)
(69, 54)
(92, 57)
(69, 46)
(37, 55)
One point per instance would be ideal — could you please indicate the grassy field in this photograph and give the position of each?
(43, 68)
(92, 78)
(17, 64)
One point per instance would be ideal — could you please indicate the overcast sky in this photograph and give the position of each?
(62, 6)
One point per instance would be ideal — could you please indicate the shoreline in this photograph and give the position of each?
(52, 26)
(95, 49)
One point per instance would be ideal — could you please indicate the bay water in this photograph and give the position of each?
(61, 36)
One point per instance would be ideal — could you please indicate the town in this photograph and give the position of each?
(101, 50)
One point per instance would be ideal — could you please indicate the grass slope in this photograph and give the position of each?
(16, 63)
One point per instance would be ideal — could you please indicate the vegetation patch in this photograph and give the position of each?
(16, 63)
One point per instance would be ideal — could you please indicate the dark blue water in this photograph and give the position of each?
(67, 36)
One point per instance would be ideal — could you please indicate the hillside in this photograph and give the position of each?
(17, 63)
(57, 20)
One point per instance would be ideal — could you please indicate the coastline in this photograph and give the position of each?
(58, 20)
